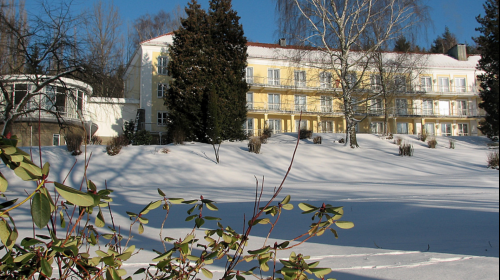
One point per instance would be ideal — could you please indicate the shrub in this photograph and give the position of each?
(267, 132)
(142, 137)
(452, 144)
(305, 134)
(254, 145)
(406, 150)
(116, 145)
(398, 141)
(178, 136)
(74, 143)
(432, 143)
(96, 140)
(317, 140)
(423, 136)
(493, 160)
(390, 137)
(164, 151)
(341, 140)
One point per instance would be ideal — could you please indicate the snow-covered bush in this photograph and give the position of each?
(452, 143)
(317, 140)
(493, 160)
(116, 144)
(254, 145)
(74, 143)
(305, 134)
(406, 149)
(432, 143)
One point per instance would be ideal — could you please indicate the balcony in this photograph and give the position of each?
(292, 109)
(292, 84)
(450, 90)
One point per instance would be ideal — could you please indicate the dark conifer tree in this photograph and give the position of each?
(444, 42)
(402, 45)
(228, 66)
(488, 45)
(190, 69)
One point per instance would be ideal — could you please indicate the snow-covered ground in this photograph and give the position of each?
(431, 216)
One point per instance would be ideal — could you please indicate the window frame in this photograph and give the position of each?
(325, 80)
(273, 76)
(460, 127)
(162, 65)
(376, 82)
(161, 88)
(326, 104)
(300, 78)
(427, 111)
(424, 86)
(161, 118)
(249, 103)
(273, 106)
(249, 78)
(444, 86)
(401, 110)
(461, 88)
(58, 137)
(300, 102)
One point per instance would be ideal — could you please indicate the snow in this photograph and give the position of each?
(431, 216)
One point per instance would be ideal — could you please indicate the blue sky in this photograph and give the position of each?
(257, 16)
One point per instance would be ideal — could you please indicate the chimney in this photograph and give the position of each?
(282, 42)
(459, 52)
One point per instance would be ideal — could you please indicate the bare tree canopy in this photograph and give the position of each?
(150, 26)
(348, 32)
(42, 49)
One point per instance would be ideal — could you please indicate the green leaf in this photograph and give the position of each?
(107, 236)
(264, 267)
(46, 169)
(286, 200)
(8, 150)
(190, 218)
(207, 273)
(3, 183)
(151, 206)
(320, 272)
(176, 200)
(5, 232)
(190, 202)
(139, 271)
(141, 229)
(188, 239)
(260, 251)
(91, 186)
(46, 267)
(99, 220)
(24, 258)
(212, 218)
(334, 233)
(143, 220)
(344, 224)
(307, 207)
(284, 245)
(199, 222)
(40, 210)
(131, 215)
(212, 207)
(75, 196)
(24, 174)
(8, 203)
(28, 242)
(112, 274)
(161, 193)
(287, 206)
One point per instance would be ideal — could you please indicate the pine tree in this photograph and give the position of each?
(444, 42)
(488, 45)
(402, 45)
(190, 69)
(228, 67)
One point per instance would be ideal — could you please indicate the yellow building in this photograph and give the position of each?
(442, 98)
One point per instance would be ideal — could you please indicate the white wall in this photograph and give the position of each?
(110, 113)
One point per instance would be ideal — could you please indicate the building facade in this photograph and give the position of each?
(441, 99)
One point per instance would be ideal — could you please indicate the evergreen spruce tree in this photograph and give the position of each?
(402, 45)
(488, 45)
(190, 69)
(444, 42)
(228, 67)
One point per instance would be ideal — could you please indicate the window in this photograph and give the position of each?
(462, 108)
(249, 100)
(162, 65)
(326, 104)
(20, 91)
(444, 107)
(79, 101)
(402, 128)
(401, 107)
(377, 127)
(248, 127)
(325, 80)
(162, 118)
(351, 79)
(376, 106)
(426, 84)
(300, 125)
(444, 84)
(300, 103)
(273, 101)
(273, 76)
(427, 107)
(274, 125)
(162, 90)
(460, 84)
(60, 101)
(463, 129)
(249, 75)
(50, 92)
(446, 129)
(56, 140)
(300, 78)
(429, 128)
(327, 126)
(376, 82)
(400, 83)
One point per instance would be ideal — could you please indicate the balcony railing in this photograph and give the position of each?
(292, 83)
(290, 108)
(447, 90)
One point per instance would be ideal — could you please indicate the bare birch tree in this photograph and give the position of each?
(45, 51)
(348, 32)
(104, 59)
